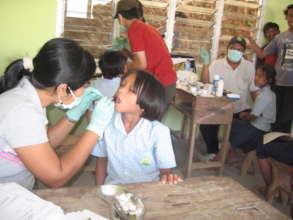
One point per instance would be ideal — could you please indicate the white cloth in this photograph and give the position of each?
(22, 123)
(137, 156)
(240, 80)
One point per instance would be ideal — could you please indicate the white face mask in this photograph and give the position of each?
(76, 101)
(234, 55)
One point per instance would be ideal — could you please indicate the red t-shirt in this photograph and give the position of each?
(271, 59)
(143, 37)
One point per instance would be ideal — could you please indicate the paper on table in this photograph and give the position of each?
(82, 215)
(272, 136)
(18, 203)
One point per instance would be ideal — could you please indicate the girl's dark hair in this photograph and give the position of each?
(59, 61)
(150, 94)
(269, 72)
(112, 63)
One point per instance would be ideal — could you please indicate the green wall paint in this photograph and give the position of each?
(274, 12)
(25, 27)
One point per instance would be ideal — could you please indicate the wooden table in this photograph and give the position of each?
(204, 110)
(195, 198)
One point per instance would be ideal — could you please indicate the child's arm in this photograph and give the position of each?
(247, 116)
(167, 177)
(101, 170)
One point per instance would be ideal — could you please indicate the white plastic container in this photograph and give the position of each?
(215, 83)
(220, 87)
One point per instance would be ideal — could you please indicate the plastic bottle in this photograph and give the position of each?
(220, 87)
(187, 66)
(215, 83)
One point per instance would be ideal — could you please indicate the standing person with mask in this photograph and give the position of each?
(238, 74)
(148, 48)
(57, 75)
(282, 46)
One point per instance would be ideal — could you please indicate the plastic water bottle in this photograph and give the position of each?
(220, 87)
(215, 83)
(187, 66)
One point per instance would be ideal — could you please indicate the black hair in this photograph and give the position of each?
(140, 10)
(135, 12)
(59, 61)
(287, 9)
(270, 25)
(269, 72)
(131, 14)
(112, 63)
(150, 94)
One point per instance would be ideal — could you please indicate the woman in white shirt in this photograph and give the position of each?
(57, 75)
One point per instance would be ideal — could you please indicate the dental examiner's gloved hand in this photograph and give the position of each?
(204, 55)
(87, 98)
(101, 116)
(119, 43)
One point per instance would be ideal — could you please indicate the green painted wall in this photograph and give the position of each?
(25, 26)
(274, 12)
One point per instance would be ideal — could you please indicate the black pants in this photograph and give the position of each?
(284, 117)
(210, 135)
(278, 149)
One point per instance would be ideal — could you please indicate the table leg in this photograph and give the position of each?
(225, 148)
(191, 146)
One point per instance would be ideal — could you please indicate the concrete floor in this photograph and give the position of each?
(250, 181)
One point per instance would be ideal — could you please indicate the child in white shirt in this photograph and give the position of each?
(136, 146)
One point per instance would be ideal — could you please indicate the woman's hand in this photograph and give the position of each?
(91, 94)
(170, 178)
(101, 116)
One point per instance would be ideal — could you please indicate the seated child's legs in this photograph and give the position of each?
(245, 136)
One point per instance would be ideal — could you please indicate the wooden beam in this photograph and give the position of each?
(193, 9)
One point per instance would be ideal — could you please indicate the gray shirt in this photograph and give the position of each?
(282, 45)
(23, 123)
(264, 108)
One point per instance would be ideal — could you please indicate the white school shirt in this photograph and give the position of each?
(240, 80)
(22, 123)
(264, 108)
(137, 156)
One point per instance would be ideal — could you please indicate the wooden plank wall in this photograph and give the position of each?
(91, 33)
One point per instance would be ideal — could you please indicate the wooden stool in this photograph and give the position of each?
(281, 176)
(249, 160)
